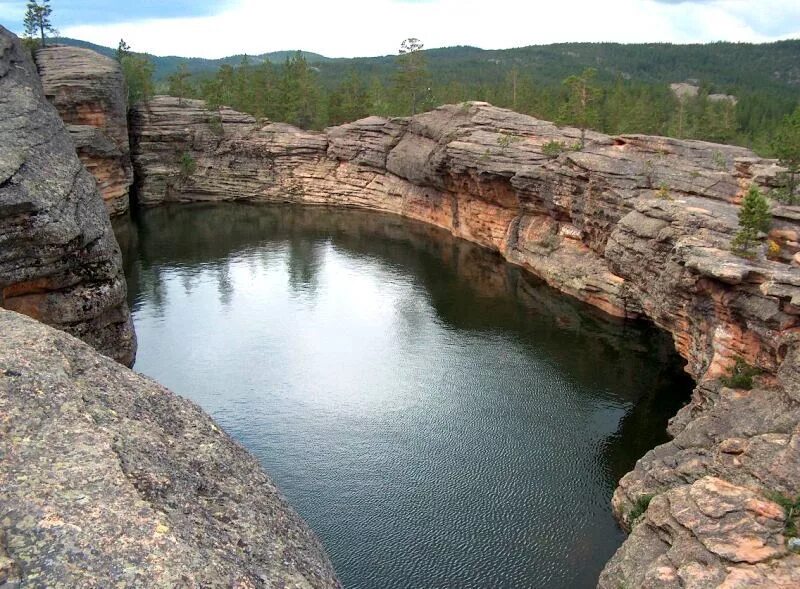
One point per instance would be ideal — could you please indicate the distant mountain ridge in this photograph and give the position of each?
(728, 67)
(165, 65)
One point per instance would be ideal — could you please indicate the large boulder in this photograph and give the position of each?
(59, 260)
(110, 480)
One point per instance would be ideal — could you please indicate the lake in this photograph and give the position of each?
(439, 417)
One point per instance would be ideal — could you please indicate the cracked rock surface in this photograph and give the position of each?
(88, 91)
(110, 480)
(635, 225)
(59, 260)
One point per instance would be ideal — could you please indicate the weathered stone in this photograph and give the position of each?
(59, 260)
(708, 534)
(108, 479)
(88, 90)
(634, 225)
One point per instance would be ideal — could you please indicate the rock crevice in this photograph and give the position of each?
(88, 91)
(59, 260)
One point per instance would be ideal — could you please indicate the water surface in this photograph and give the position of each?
(439, 417)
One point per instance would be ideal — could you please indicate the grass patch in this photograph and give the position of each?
(741, 376)
(639, 507)
(553, 148)
(187, 165)
(791, 509)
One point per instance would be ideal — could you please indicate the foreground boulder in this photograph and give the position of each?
(59, 260)
(88, 90)
(110, 480)
(635, 225)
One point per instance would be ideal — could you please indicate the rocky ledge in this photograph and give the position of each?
(59, 260)
(110, 480)
(88, 90)
(634, 225)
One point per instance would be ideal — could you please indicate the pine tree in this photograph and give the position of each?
(787, 147)
(178, 81)
(412, 79)
(37, 20)
(298, 92)
(580, 109)
(754, 218)
(138, 72)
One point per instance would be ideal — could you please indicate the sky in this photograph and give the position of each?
(350, 28)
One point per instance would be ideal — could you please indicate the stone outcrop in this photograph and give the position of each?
(88, 90)
(59, 260)
(110, 480)
(634, 225)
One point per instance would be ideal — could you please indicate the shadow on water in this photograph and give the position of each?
(516, 491)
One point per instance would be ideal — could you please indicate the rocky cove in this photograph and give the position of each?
(636, 226)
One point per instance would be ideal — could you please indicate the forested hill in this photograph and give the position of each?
(631, 85)
(727, 66)
(164, 66)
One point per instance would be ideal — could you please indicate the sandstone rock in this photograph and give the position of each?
(708, 534)
(111, 480)
(634, 225)
(88, 90)
(59, 261)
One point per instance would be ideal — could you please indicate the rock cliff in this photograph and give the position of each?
(634, 225)
(88, 90)
(59, 260)
(133, 486)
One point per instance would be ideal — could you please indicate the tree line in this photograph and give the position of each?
(296, 93)
(293, 92)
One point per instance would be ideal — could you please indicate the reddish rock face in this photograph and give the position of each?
(634, 225)
(88, 90)
(59, 260)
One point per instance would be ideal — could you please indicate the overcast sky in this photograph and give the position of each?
(347, 28)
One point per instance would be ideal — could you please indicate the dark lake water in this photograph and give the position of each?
(439, 417)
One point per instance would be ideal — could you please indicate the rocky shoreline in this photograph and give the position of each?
(637, 226)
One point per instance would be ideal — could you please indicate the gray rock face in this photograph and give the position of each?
(59, 260)
(108, 480)
(635, 225)
(88, 90)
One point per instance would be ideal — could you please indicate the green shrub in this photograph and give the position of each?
(719, 159)
(215, 124)
(639, 507)
(784, 192)
(187, 165)
(505, 140)
(663, 192)
(791, 510)
(553, 148)
(754, 218)
(741, 376)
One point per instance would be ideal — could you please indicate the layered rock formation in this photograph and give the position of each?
(59, 261)
(634, 225)
(88, 90)
(133, 486)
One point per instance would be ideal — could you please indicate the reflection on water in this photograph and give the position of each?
(439, 417)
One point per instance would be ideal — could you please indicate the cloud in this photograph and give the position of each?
(68, 13)
(349, 28)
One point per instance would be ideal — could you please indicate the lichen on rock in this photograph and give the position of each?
(109, 480)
